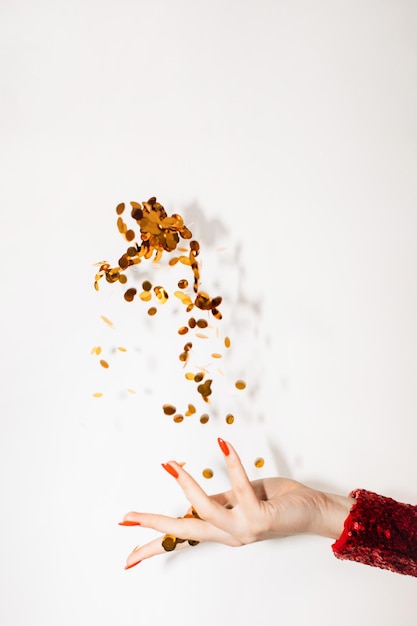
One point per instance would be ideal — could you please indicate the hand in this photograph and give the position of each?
(249, 512)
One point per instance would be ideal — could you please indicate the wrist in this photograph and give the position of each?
(334, 511)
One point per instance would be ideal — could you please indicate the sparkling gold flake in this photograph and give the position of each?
(204, 418)
(207, 473)
(152, 310)
(240, 384)
(227, 342)
(104, 363)
(259, 462)
(229, 418)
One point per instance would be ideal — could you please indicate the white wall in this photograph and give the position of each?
(285, 131)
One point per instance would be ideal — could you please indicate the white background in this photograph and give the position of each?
(285, 132)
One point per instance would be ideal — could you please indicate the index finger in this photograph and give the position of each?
(241, 485)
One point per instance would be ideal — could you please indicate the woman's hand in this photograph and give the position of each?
(249, 512)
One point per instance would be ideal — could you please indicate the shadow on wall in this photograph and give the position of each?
(245, 309)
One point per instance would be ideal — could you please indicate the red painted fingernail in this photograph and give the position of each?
(127, 523)
(133, 565)
(224, 447)
(171, 470)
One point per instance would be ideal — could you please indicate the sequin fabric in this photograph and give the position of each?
(381, 532)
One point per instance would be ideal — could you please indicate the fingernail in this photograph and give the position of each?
(171, 470)
(133, 565)
(224, 447)
(127, 523)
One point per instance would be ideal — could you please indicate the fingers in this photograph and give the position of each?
(208, 508)
(189, 527)
(241, 485)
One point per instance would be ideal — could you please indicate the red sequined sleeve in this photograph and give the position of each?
(381, 532)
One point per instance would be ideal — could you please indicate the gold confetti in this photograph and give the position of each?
(229, 418)
(240, 384)
(153, 233)
(145, 296)
(169, 543)
(204, 418)
(207, 473)
(259, 462)
(227, 342)
(97, 394)
(216, 355)
(106, 320)
(169, 409)
(130, 294)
